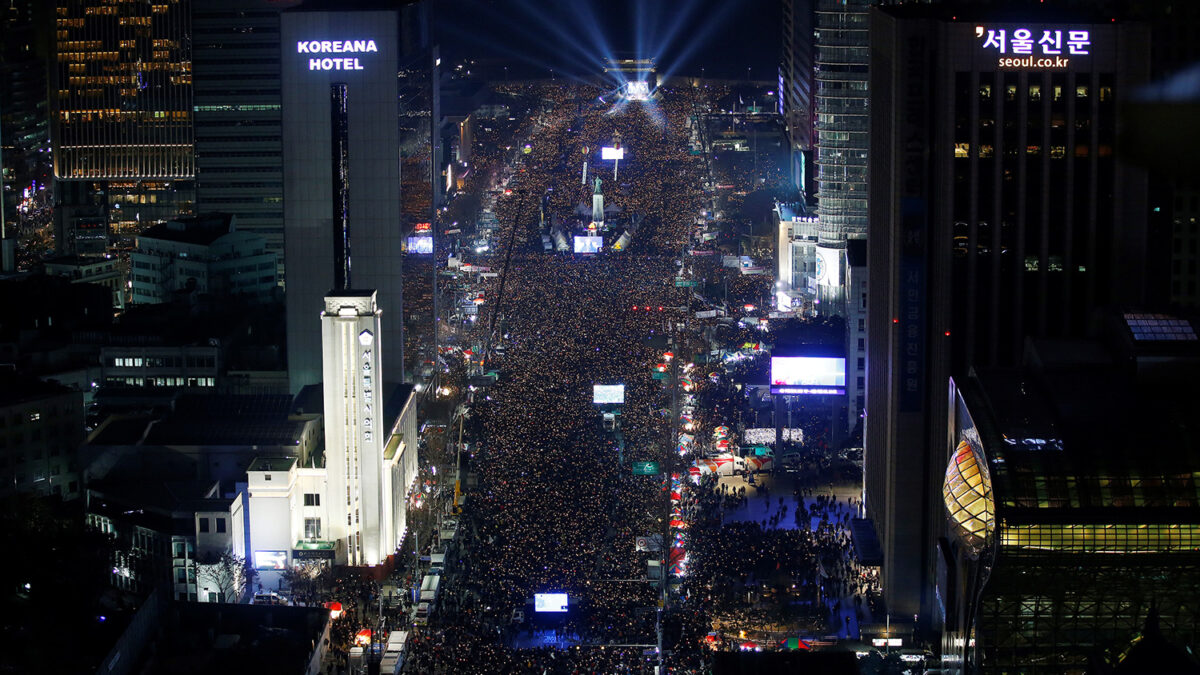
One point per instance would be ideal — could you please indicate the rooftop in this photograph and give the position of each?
(15, 389)
(202, 230)
(272, 464)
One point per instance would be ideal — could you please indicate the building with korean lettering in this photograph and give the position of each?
(356, 432)
(999, 211)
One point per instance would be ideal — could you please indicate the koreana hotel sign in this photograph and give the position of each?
(319, 47)
(1045, 48)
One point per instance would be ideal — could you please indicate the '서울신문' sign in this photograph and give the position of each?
(1035, 48)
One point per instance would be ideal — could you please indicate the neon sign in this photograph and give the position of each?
(1051, 50)
(335, 47)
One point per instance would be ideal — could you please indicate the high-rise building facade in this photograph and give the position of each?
(341, 178)
(121, 99)
(796, 87)
(842, 56)
(998, 212)
(239, 136)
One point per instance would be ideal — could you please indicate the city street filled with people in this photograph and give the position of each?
(556, 506)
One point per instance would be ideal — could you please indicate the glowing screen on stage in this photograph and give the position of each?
(588, 244)
(637, 91)
(550, 602)
(808, 375)
(612, 153)
(608, 393)
(420, 244)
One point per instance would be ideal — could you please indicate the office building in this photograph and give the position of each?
(341, 174)
(842, 56)
(239, 136)
(121, 99)
(41, 427)
(796, 88)
(795, 259)
(204, 255)
(107, 272)
(1070, 514)
(998, 212)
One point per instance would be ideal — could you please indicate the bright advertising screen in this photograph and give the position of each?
(420, 245)
(270, 560)
(549, 602)
(612, 153)
(608, 393)
(808, 375)
(588, 244)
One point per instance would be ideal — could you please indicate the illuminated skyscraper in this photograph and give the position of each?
(842, 55)
(122, 112)
(1000, 212)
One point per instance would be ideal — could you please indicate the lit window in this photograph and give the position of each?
(962, 150)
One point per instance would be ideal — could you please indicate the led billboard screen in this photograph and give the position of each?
(808, 375)
(588, 244)
(612, 153)
(550, 602)
(608, 393)
(270, 560)
(420, 245)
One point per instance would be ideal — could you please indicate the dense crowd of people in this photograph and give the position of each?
(557, 508)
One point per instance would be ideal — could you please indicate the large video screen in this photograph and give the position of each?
(637, 90)
(420, 245)
(612, 153)
(549, 602)
(588, 244)
(270, 560)
(808, 375)
(608, 393)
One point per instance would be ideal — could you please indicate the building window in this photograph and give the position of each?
(220, 525)
(204, 524)
(312, 528)
(312, 499)
(34, 416)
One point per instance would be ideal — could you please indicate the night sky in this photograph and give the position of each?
(723, 36)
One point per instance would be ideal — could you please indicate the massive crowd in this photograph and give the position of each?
(557, 507)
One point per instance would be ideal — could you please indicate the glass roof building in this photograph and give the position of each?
(1072, 502)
